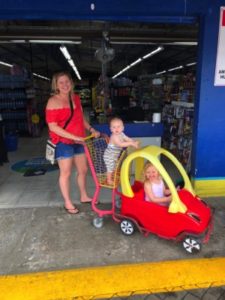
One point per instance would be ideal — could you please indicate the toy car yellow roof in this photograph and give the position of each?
(152, 154)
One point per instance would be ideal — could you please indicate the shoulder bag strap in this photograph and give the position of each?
(71, 115)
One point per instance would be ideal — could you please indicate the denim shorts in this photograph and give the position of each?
(63, 151)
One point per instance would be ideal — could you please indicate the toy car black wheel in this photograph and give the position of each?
(127, 227)
(191, 245)
(98, 222)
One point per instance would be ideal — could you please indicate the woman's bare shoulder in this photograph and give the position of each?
(53, 103)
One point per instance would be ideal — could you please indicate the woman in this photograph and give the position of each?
(69, 150)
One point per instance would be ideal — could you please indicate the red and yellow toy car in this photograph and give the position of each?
(187, 219)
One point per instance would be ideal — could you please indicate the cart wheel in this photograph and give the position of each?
(191, 245)
(118, 202)
(127, 227)
(98, 222)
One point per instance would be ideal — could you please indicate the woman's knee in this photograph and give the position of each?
(81, 165)
(65, 174)
(65, 168)
(82, 171)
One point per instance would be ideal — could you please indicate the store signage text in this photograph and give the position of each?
(220, 58)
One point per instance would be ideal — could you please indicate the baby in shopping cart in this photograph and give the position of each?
(118, 140)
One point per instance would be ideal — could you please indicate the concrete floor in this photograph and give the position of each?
(36, 233)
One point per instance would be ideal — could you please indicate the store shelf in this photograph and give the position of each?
(120, 96)
(178, 125)
(183, 104)
(19, 106)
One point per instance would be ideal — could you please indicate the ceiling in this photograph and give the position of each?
(130, 40)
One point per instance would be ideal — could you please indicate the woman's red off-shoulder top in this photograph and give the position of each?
(61, 115)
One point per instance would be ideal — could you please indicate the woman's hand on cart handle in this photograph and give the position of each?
(94, 136)
(78, 139)
(88, 137)
(94, 132)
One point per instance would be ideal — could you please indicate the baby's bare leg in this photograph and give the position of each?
(109, 178)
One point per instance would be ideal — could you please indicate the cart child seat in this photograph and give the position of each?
(96, 148)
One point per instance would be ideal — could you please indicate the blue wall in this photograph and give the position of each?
(209, 139)
(108, 9)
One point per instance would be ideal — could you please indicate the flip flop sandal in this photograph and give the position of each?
(72, 211)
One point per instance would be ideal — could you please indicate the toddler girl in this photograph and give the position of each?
(155, 190)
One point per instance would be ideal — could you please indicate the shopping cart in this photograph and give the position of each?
(94, 149)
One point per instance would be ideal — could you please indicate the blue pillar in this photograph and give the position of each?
(208, 156)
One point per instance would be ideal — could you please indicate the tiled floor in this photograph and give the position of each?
(16, 190)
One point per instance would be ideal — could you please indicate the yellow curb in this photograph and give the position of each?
(118, 280)
(209, 188)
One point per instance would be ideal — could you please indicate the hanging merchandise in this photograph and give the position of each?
(104, 54)
(178, 124)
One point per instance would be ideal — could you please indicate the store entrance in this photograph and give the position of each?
(149, 82)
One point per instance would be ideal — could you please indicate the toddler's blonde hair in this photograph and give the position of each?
(146, 166)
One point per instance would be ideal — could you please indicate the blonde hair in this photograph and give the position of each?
(115, 119)
(55, 79)
(146, 166)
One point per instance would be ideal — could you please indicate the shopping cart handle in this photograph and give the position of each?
(89, 137)
(102, 135)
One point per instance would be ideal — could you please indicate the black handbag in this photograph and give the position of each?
(50, 147)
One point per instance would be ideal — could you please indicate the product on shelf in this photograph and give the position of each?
(19, 103)
(178, 124)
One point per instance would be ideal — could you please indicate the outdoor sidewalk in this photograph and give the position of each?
(48, 238)
(67, 249)
(38, 235)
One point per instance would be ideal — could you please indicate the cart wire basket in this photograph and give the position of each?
(96, 148)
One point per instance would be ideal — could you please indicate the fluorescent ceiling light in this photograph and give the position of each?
(153, 52)
(135, 62)
(139, 60)
(14, 41)
(35, 74)
(162, 72)
(23, 41)
(5, 64)
(176, 68)
(184, 43)
(70, 61)
(66, 54)
(40, 76)
(125, 69)
(153, 43)
(54, 42)
(131, 43)
(191, 64)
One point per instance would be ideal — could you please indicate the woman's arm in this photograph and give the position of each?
(89, 128)
(63, 133)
